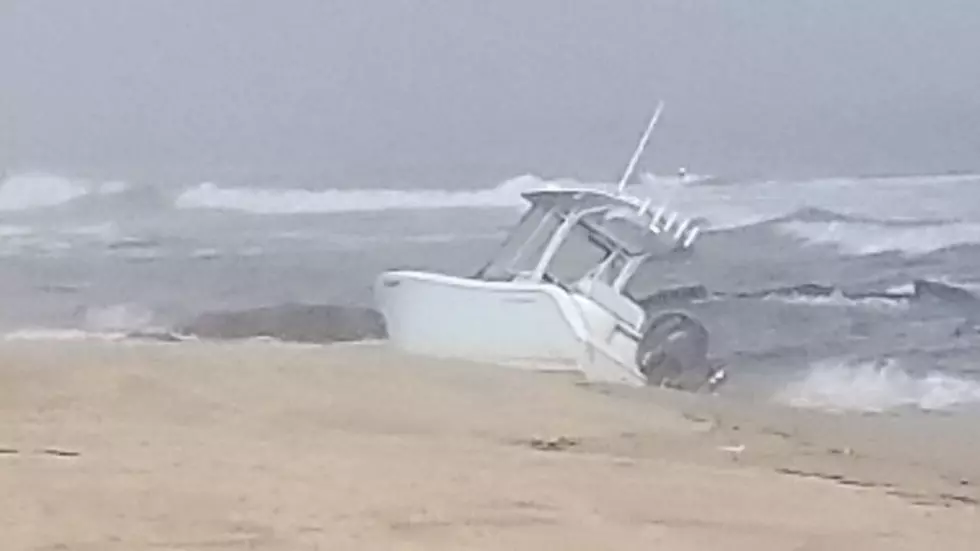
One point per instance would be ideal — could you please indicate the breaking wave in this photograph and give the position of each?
(116, 318)
(857, 216)
(857, 235)
(839, 299)
(863, 238)
(877, 387)
(37, 190)
(300, 201)
(114, 322)
(41, 334)
(918, 290)
(289, 322)
(827, 216)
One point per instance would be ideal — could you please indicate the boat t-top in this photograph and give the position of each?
(561, 293)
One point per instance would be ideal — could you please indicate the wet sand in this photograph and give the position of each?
(129, 446)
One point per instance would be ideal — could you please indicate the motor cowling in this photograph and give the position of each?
(673, 352)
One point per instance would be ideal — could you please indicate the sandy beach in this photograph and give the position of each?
(132, 446)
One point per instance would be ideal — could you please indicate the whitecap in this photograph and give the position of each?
(877, 387)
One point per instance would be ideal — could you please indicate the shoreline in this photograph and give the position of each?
(138, 445)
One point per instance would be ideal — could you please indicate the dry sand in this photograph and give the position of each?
(113, 446)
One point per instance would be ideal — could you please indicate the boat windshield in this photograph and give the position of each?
(524, 246)
(587, 250)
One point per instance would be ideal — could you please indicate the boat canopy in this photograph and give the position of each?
(627, 221)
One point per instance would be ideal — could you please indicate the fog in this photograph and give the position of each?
(463, 92)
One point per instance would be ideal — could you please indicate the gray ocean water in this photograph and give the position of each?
(848, 293)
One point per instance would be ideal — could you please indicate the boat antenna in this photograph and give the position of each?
(631, 167)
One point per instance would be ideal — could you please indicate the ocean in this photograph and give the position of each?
(851, 293)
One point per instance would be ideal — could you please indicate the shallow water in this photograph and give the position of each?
(112, 257)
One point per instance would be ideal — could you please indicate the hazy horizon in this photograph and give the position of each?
(420, 93)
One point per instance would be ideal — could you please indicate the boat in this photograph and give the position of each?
(564, 292)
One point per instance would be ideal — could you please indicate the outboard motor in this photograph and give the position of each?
(673, 353)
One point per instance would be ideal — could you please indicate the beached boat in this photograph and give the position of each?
(563, 291)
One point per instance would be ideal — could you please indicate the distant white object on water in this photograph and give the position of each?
(560, 291)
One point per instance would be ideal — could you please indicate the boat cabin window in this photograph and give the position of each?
(579, 254)
(647, 281)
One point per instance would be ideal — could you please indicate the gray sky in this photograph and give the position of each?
(387, 92)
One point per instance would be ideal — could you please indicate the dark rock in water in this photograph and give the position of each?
(926, 289)
(290, 322)
(674, 295)
(805, 289)
(953, 299)
(131, 243)
(817, 290)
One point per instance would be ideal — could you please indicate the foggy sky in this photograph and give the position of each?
(433, 92)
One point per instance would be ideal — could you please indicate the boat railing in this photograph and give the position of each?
(662, 221)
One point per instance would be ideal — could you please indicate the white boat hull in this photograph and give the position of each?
(534, 325)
